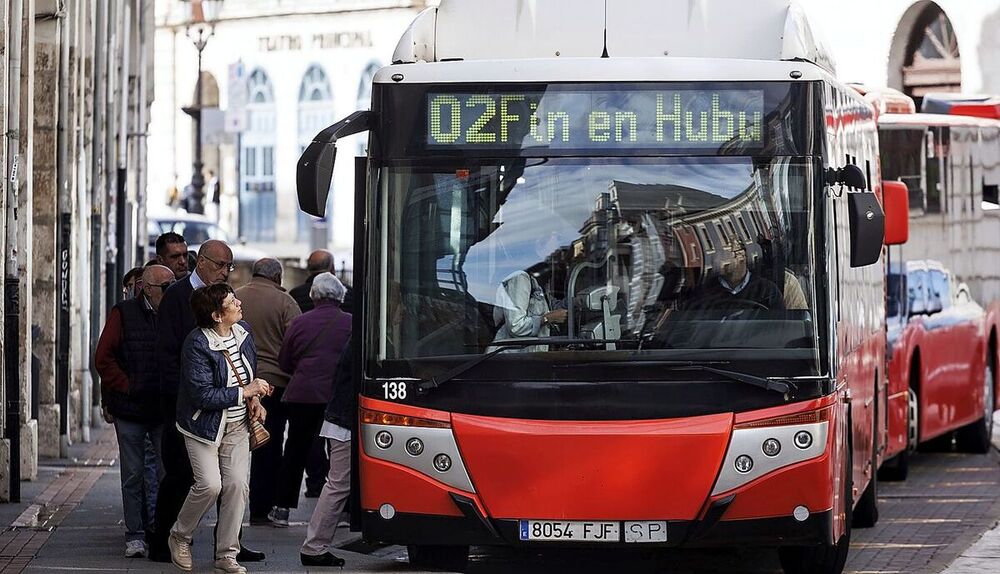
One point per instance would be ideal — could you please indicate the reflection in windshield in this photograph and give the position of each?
(653, 254)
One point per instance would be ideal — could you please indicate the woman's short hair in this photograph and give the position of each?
(327, 286)
(208, 300)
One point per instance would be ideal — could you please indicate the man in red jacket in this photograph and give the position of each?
(126, 362)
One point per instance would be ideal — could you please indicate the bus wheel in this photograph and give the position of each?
(866, 512)
(975, 437)
(895, 469)
(822, 558)
(454, 558)
(898, 467)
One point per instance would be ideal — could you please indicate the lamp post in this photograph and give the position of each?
(200, 27)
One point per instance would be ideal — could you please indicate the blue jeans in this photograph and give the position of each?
(138, 494)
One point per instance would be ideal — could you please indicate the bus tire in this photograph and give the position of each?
(866, 512)
(822, 558)
(896, 468)
(453, 558)
(975, 437)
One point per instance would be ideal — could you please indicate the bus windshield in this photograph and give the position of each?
(690, 258)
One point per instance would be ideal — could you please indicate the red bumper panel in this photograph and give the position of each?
(615, 470)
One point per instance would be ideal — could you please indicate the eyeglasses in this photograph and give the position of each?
(162, 286)
(219, 264)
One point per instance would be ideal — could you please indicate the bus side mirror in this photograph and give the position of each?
(897, 212)
(867, 223)
(315, 168)
(313, 175)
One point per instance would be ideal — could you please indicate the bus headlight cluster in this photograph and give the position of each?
(757, 448)
(423, 445)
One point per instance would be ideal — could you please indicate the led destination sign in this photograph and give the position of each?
(596, 119)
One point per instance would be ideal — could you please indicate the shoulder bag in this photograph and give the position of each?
(258, 434)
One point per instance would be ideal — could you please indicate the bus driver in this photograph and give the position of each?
(735, 288)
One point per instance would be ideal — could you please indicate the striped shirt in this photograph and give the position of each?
(239, 412)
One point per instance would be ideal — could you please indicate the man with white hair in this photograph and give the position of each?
(268, 309)
(311, 351)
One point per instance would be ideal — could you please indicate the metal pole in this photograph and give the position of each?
(197, 204)
(96, 182)
(122, 180)
(140, 163)
(64, 238)
(12, 284)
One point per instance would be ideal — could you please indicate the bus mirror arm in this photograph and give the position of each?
(849, 175)
(315, 168)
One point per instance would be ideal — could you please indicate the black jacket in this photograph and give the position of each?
(301, 295)
(342, 410)
(174, 321)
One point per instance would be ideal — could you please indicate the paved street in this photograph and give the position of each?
(927, 522)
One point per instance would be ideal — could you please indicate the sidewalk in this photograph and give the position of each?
(984, 555)
(74, 523)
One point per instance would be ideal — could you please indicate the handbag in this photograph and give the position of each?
(259, 436)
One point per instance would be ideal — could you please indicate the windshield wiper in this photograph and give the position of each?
(783, 387)
(502, 346)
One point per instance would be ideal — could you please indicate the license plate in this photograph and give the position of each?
(570, 531)
(641, 531)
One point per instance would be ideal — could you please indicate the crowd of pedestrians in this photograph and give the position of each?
(187, 365)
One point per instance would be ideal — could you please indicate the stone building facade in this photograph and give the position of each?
(274, 74)
(73, 164)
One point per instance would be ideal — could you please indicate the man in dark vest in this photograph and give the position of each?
(130, 382)
(212, 266)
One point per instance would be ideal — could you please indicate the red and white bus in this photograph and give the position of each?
(943, 283)
(619, 283)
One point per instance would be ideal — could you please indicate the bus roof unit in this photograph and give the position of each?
(962, 105)
(522, 29)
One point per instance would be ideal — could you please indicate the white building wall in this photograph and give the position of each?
(860, 33)
(284, 45)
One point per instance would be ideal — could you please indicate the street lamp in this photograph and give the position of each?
(200, 16)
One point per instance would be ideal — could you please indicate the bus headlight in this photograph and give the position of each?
(771, 447)
(743, 464)
(442, 462)
(383, 439)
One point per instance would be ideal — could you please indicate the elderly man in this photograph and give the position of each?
(213, 265)
(125, 359)
(269, 310)
(171, 251)
(319, 261)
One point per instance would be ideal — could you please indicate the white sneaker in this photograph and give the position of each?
(135, 549)
(180, 552)
(229, 566)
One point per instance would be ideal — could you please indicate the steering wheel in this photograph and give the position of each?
(750, 304)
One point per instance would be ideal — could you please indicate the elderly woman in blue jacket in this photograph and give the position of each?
(217, 396)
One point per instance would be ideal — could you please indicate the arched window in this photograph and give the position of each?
(924, 56)
(365, 98)
(315, 113)
(257, 180)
